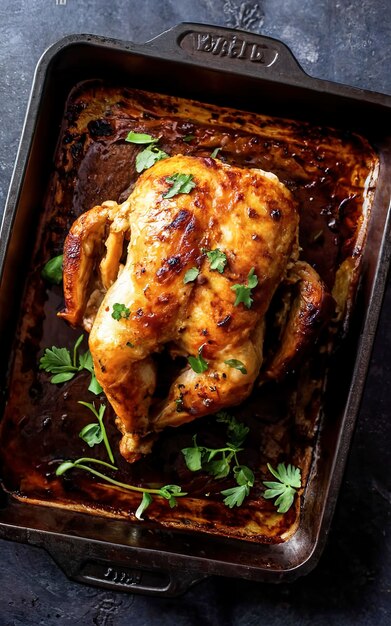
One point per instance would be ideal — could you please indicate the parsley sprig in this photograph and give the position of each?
(150, 155)
(289, 480)
(58, 361)
(96, 433)
(167, 492)
(220, 462)
(243, 292)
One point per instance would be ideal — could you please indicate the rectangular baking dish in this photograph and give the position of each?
(229, 68)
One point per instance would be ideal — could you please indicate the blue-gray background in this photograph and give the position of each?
(341, 40)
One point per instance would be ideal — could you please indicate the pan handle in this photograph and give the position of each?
(125, 570)
(227, 48)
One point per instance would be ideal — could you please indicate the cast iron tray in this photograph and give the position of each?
(245, 71)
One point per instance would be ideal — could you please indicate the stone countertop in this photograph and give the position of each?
(339, 40)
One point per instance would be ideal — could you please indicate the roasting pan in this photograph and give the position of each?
(245, 71)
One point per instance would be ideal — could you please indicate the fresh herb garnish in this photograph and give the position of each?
(188, 138)
(236, 364)
(236, 495)
(289, 480)
(141, 138)
(191, 275)
(120, 311)
(98, 434)
(150, 155)
(198, 363)
(58, 361)
(168, 492)
(217, 259)
(243, 292)
(219, 462)
(180, 183)
(52, 270)
(215, 153)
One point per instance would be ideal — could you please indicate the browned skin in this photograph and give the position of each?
(247, 214)
(311, 309)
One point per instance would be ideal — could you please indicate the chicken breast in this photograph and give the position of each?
(216, 315)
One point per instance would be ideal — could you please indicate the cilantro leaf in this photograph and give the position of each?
(217, 259)
(180, 183)
(148, 157)
(141, 138)
(52, 270)
(120, 311)
(91, 434)
(243, 292)
(191, 275)
(237, 365)
(289, 480)
(198, 363)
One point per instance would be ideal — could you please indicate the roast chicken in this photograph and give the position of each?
(127, 282)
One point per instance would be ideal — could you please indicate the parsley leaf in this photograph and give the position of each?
(141, 138)
(52, 270)
(237, 365)
(191, 275)
(193, 457)
(91, 434)
(289, 480)
(58, 361)
(243, 292)
(198, 363)
(235, 495)
(120, 311)
(217, 259)
(148, 157)
(180, 183)
(99, 416)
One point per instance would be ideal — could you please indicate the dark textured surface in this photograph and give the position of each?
(339, 40)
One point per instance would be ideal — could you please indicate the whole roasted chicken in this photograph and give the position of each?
(189, 263)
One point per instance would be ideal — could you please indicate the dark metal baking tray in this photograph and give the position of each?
(230, 68)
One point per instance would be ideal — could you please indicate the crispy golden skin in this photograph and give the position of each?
(245, 213)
